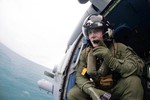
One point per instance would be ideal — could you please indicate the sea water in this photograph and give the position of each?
(19, 76)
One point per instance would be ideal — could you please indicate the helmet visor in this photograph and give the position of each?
(93, 25)
(88, 28)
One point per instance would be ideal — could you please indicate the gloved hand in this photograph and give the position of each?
(102, 52)
(97, 94)
(101, 43)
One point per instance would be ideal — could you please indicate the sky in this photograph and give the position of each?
(39, 29)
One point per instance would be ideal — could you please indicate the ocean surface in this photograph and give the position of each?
(19, 76)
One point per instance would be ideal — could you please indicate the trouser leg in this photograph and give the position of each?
(129, 88)
(76, 94)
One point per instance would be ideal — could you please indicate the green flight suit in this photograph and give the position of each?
(126, 63)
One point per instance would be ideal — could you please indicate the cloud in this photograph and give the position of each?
(39, 29)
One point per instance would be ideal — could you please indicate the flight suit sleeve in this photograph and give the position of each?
(82, 81)
(127, 63)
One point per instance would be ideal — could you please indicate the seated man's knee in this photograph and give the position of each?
(73, 93)
(134, 85)
(76, 94)
(70, 94)
(132, 88)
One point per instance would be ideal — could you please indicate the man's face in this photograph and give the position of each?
(95, 36)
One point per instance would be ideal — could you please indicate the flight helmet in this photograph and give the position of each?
(96, 21)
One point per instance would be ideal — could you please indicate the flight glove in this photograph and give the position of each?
(102, 52)
(91, 66)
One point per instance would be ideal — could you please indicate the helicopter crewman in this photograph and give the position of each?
(106, 70)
